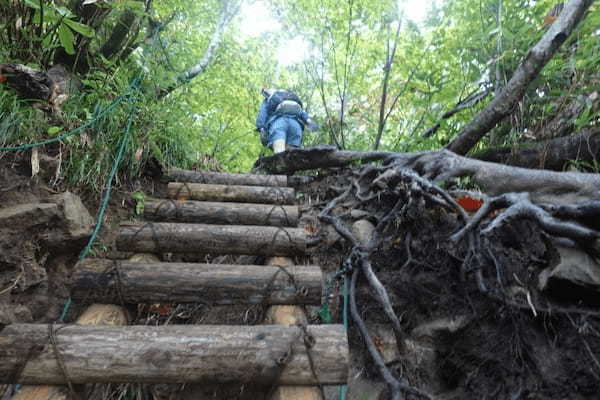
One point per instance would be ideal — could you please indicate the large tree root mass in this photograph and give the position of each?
(500, 295)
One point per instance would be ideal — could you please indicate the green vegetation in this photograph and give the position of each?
(353, 48)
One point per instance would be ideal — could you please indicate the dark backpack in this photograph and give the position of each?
(284, 98)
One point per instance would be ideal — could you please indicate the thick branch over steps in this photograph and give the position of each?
(494, 179)
(173, 354)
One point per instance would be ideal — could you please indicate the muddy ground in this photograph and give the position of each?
(459, 343)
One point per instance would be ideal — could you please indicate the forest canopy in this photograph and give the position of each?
(373, 76)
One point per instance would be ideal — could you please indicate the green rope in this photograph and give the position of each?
(107, 191)
(344, 388)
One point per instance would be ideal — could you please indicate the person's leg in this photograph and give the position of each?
(294, 134)
(277, 135)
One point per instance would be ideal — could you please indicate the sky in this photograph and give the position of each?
(257, 19)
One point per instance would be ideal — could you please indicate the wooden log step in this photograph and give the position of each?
(221, 213)
(166, 237)
(224, 178)
(215, 284)
(267, 354)
(239, 194)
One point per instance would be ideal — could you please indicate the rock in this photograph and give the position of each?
(363, 230)
(79, 222)
(25, 216)
(6, 314)
(576, 276)
(433, 328)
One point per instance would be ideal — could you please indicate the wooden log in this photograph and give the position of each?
(221, 213)
(289, 316)
(217, 284)
(173, 354)
(168, 237)
(229, 193)
(96, 314)
(224, 178)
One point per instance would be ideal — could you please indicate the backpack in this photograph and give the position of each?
(284, 102)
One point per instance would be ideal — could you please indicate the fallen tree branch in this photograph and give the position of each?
(554, 154)
(537, 57)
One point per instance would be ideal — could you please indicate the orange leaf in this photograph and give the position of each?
(469, 204)
(161, 309)
(310, 228)
(2, 79)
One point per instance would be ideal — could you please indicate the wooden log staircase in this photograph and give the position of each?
(205, 213)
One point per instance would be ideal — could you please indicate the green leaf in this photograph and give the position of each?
(82, 29)
(66, 37)
(325, 314)
(140, 198)
(53, 130)
(32, 4)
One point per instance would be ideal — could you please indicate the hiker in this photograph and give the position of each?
(281, 120)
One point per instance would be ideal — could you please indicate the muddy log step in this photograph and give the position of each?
(173, 354)
(228, 193)
(224, 178)
(166, 237)
(215, 284)
(220, 213)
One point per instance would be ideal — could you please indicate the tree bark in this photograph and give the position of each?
(108, 281)
(221, 213)
(224, 178)
(240, 194)
(554, 154)
(172, 354)
(96, 314)
(537, 57)
(543, 186)
(219, 239)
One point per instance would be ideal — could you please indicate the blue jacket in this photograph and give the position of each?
(264, 120)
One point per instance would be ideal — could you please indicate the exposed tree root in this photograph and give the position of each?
(400, 191)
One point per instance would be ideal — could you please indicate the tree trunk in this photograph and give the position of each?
(224, 178)
(240, 194)
(221, 213)
(172, 354)
(537, 57)
(108, 281)
(218, 239)
(118, 37)
(553, 154)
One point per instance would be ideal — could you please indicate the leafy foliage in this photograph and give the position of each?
(460, 48)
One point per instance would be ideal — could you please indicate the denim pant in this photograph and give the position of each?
(286, 128)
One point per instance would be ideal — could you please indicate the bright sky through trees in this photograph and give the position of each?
(256, 19)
